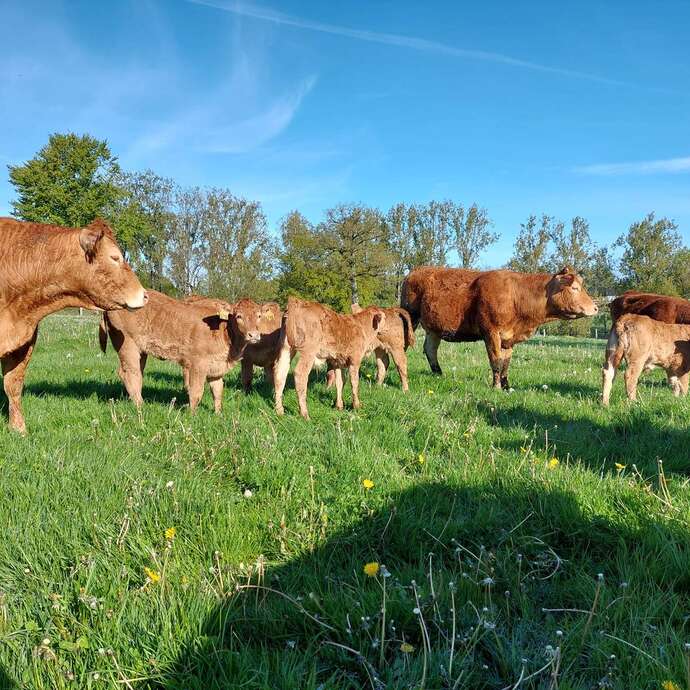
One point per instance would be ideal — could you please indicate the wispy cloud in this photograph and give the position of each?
(398, 40)
(655, 167)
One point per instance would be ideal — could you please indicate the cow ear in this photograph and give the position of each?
(377, 321)
(89, 238)
(566, 278)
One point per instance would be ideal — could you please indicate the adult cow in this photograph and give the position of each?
(45, 268)
(502, 308)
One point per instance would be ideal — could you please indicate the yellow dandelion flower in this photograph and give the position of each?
(670, 685)
(170, 533)
(406, 648)
(553, 463)
(371, 569)
(184, 580)
(620, 467)
(367, 484)
(430, 392)
(152, 575)
(421, 459)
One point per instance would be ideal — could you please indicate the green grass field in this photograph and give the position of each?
(530, 539)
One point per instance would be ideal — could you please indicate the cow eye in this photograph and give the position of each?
(115, 258)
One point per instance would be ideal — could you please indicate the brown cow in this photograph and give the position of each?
(502, 308)
(45, 268)
(319, 334)
(660, 307)
(189, 333)
(395, 336)
(645, 343)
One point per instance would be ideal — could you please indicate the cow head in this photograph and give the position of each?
(566, 296)
(247, 320)
(107, 278)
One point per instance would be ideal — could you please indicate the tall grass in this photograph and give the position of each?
(528, 539)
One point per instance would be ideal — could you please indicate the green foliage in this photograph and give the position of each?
(466, 502)
(650, 254)
(471, 229)
(531, 246)
(70, 181)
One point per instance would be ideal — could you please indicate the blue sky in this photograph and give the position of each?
(562, 108)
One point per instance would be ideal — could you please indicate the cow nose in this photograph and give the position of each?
(146, 297)
(254, 337)
(596, 309)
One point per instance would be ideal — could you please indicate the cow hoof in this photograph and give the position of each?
(280, 411)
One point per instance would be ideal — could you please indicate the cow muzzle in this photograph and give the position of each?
(138, 301)
(253, 338)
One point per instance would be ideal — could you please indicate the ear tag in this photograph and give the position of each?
(223, 315)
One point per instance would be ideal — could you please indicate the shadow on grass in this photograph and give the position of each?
(506, 551)
(82, 390)
(6, 683)
(634, 434)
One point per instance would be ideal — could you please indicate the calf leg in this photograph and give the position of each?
(632, 374)
(130, 371)
(338, 380)
(330, 377)
(269, 374)
(216, 386)
(13, 371)
(354, 382)
(382, 362)
(614, 355)
(683, 380)
(492, 340)
(431, 343)
(506, 355)
(195, 389)
(280, 372)
(302, 370)
(400, 359)
(247, 375)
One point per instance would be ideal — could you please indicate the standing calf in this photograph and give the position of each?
(206, 337)
(319, 334)
(645, 343)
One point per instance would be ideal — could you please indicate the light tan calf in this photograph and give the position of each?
(394, 337)
(645, 343)
(206, 337)
(319, 335)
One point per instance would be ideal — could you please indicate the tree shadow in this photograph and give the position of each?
(83, 390)
(510, 555)
(634, 435)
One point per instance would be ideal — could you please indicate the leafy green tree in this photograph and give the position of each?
(186, 246)
(142, 218)
(401, 221)
(239, 253)
(650, 250)
(70, 181)
(531, 245)
(472, 233)
(572, 246)
(355, 242)
(431, 237)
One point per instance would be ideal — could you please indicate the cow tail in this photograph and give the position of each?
(410, 302)
(407, 327)
(103, 332)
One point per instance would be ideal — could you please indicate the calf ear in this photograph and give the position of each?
(89, 237)
(378, 320)
(566, 278)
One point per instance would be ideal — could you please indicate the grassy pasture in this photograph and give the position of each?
(532, 539)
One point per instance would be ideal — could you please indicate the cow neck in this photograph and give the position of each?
(533, 303)
(44, 286)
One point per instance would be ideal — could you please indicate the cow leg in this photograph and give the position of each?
(195, 389)
(683, 381)
(382, 362)
(614, 355)
(400, 359)
(338, 380)
(130, 371)
(216, 386)
(247, 375)
(431, 343)
(354, 382)
(302, 370)
(269, 374)
(330, 377)
(492, 340)
(632, 374)
(280, 372)
(13, 371)
(506, 355)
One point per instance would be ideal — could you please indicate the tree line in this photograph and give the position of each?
(184, 240)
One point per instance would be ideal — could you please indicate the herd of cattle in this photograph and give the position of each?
(45, 268)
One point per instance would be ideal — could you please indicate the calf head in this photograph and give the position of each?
(107, 279)
(566, 296)
(372, 319)
(247, 320)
